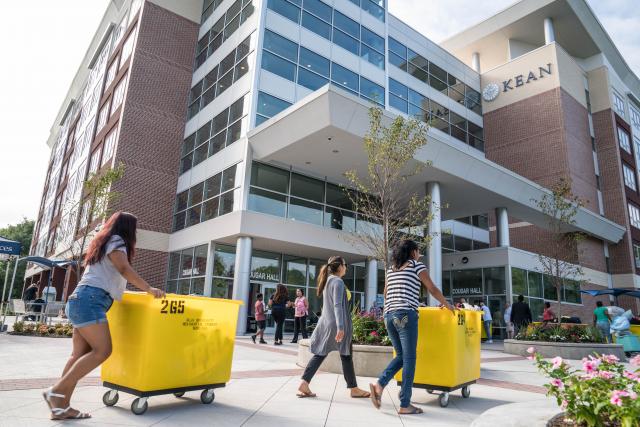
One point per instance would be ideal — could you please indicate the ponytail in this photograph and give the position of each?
(331, 267)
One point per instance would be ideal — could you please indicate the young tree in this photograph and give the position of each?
(97, 206)
(383, 195)
(561, 208)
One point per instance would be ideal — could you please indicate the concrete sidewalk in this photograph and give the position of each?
(261, 392)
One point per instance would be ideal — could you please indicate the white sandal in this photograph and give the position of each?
(48, 394)
(57, 412)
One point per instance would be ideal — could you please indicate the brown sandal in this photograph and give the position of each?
(364, 395)
(413, 411)
(305, 394)
(376, 398)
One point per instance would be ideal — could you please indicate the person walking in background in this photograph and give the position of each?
(301, 306)
(108, 269)
(402, 294)
(520, 314)
(334, 329)
(261, 319)
(31, 292)
(507, 321)
(602, 320)
(279, 303)
(547, 314)
(486, 321)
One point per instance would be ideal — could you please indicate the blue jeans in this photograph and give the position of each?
(487, 329)
(605, 329)
(402, 327)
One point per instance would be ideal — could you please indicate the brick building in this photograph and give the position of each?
(239, 118)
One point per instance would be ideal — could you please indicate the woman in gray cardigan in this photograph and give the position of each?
(334, 329)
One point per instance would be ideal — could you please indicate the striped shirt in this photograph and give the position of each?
(403, 287)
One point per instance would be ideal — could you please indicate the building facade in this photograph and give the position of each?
(274, 96)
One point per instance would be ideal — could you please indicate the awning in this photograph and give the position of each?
(46, 262)
(613, 291)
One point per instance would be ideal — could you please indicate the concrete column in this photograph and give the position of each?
(241, 280)
(208, 275)
(434, 253)
(502, 227)
(475, 61)
(549, 32)
(371, 288)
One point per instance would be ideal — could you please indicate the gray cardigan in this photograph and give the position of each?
(335, 316)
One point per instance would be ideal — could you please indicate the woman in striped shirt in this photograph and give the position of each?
(402, 297)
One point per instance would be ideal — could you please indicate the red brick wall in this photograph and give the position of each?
(152, 266)
(153, 118)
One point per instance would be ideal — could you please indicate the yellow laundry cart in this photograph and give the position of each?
(448, 352)
(169, 346)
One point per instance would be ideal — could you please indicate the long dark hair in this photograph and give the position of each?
(331, 267)
(281, 293)
(121, 224)
(402, 252)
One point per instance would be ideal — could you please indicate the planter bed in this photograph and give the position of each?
(368, 360)
(571, 351)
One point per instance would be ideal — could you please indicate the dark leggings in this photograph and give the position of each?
(300, 326)
(347, 369)
(278, 317)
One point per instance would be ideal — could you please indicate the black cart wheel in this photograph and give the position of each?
(207, 396)
(139, 406)
(429, 391)
(443, 399)
(179, 394)
(466, 392)
(110, 398)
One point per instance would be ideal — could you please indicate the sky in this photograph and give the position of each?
(44, 42)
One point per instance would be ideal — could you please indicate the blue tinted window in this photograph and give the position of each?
(269, 106)
(373, 56)
(318, 8)
(373, 9)
(372, 90)
(344, 77)
(280, 45)
(397, 103)
(417, 112)
(316, 25)
(372, 39)
(286, 9)
(397, 61)
(310, 80)
(260, 119)
(398, 88)
(398, 48)
(314, 62)
(345, 41)
(418, 99)
(279, 66)
(346, 24)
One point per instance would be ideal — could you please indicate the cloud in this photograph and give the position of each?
(440, 19)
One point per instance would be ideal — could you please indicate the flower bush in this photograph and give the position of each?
(368, 328)
(42, 329)
(566, 332)
(602, 393)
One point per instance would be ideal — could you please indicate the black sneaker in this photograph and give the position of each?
(263, 342)
(277, 343)
(294, 342)
(253, 338)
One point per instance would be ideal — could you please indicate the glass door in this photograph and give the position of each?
(268, 290)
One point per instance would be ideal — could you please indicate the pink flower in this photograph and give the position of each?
(589, 376)
(635, 360)
(374, 334)
(616, 396)
(531, 350)
(630, 375)
(607, 375)
(615, 400)
(531, 357)
(557, 362)
(590, 366)
(557, 383)
(564, 404)
(610, 358)
(633, 395)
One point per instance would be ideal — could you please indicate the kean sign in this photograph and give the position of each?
(492, 90)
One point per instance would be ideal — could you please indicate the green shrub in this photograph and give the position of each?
(368, 328)
(564, 332)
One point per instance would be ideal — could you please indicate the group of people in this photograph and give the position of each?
(278, 303)
(486, 315)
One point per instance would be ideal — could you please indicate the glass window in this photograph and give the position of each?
(466, 283)
(302, 210)
(269, 177)
(316, 25)
(109, 145)
(307, 188)
(212, 186)
(310, 80)
(102, 116)
(127, 47)
(267, 202)
(623, 139)
(337, 196)
(314, 62)
(186, 263)
(397, 48)
(534, 280)
(224, 261)
(200, 260)
(286, 9)
(345, 41)
(344, 77)
(518, 281)
(173, 268)
(629, 177)
(280, 45)
(398, 88)
(634, 216)
(550, 291)
(111, 74)
(210, 209)
(636, 254)
(398, 61)
(372, 39)
(618, 104)
(462, 244)
(372, 56)
(269, 106)
(360, 276)
(118, 94)
(572, 291)
(346, 24)
(314, 269)
(339, 219)
(371, 90)
(418, 73)
(295, 270)
(318, 8)
(398, 103)
(265, 266)
(229, 178)
(195, 194)
(221, 288)
(374, 9)
(494, 281)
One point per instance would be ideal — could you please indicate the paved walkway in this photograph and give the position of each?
(261, 392)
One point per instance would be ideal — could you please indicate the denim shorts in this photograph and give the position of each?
(88, 306)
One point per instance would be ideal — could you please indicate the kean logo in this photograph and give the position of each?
(519, 81)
